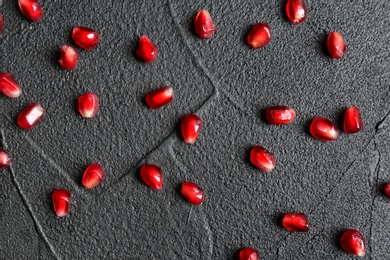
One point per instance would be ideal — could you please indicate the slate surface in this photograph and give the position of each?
(339, 185)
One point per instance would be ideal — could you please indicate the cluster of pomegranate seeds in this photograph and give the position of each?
(323, 129)
(93, 176)
(336, 45)
(248, 253)
(1, 23)
(262, 159)
(296, 222)
(259, 36)
(88, 104)
(86, 38)
(5, 158)
(159, 97)
(61, 202)
(151, 175)
(146, 50)
(296, 11)
(204, 25)
(69, 57)
(352, 241)
(31, 116)
(387, 189)
(192, 192)
(280, 115)
(190, 128)
(8, 85)
(31, 9)
(353, 122)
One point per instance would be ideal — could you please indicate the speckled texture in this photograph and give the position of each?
(339, 185)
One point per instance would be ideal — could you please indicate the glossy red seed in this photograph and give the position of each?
(262, 159)
(296, 222)
(1, 23)
(296, 11)
(280, 115)
(190, 127)
(31, 116)
(204, 25)
(248, 253)
(86, 38)
(146, 50)
(352, 241)
(31, 9)
(5, 158)
(323, 129)
(8, 85)
(387, 189)
(69, 57)
(192, 192)
(93, 176)
(88, 104)
(336, 45)
(353, 122)
(259, 36)
(152, 176)
(61, 202)
(159, 97)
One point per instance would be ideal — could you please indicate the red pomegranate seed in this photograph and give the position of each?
(248, 253)
(262, 159)
(190, 128)
(192, 192)
(31, 116)
(93, 176)
(61, 202)
(146, 50)
(296, 11)
(159, 97)
(352, 241)
(336, 45)
(8, 85)
(387, 189)
(88, 104)
(353, 122)
(204, 25)
(69, 57)
(259, 36)
(5, 158)
(296, 222)
(280, 115)
(31, 9)
(1, 23)
(86, 38)
(323, 129)
(152, 176)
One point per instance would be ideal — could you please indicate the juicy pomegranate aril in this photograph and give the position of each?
(85, 37)
(336, 45)
(159, 97)
(387, 189)
(88, 104)
(31, 116)
(31, 9)
(69, 57)
(296, 11)
(353, 122)
(262, 159)
(296, 222)
(259, 36)
(192, 192)
(204, 25)
(151, 175)
(61, 202)
(190, 128)
(352, 241)
(5, 158)
(8, 85)
(146, 50)
(93, 176)
(280, 115)
(248, 253)
(323, 129)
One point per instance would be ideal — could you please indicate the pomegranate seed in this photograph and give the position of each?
(88, 104)
(259, 36)
(296, 11)
(192, 192)
(61, 202)
(8, 85)
(248, 253)
(262, 159)
(190, 128)
(86, 38)
(296, 222)
(93, 176)
(280, 115)
(323, 129)
(387, 189)
(31, 9)
(69, 57)
(5, 158)
(152, 176)
(352, 241)
(146, 50)
(353, 122)
(336, 45)
(1, 23)
(159, 97)
(31, 116)
(204, 25)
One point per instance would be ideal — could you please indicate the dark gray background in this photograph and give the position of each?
(339, 185)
